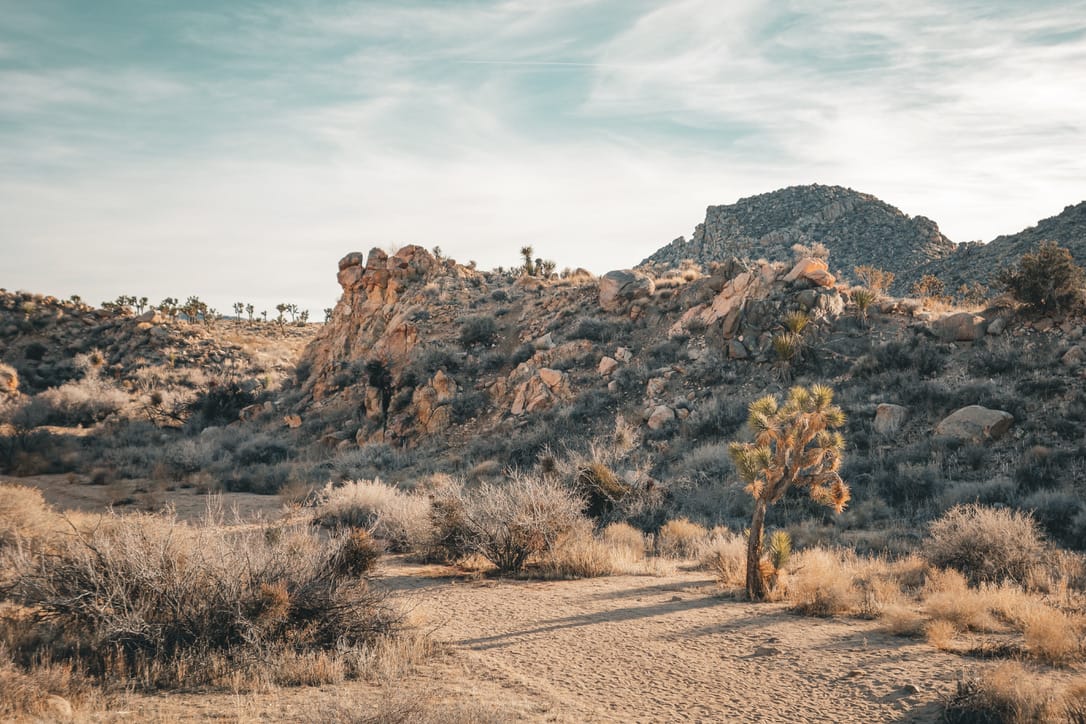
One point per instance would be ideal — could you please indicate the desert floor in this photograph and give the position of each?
(666, 647)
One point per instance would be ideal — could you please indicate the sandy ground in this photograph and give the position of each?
(658, 648)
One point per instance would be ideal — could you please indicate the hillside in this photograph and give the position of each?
(981, 262)
(857, 229)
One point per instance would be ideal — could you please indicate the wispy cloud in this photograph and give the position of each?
(214, 147)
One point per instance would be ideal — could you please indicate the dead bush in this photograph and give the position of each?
(822, 583)
(680, 538)
(1011, 693)
(400, 519)
(577, 553)
(986, 544)
(24, 514)
(507, 523)
(724, 554)
(160, 603)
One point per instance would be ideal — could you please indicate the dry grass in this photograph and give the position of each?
(398, 518)
(1011, 693)
(986, 544)
(578, 554)
(822, 583)
(1052, 636)
(680, 538)
(150, 601)
(626, 538)
(724, 554)
(25, 515)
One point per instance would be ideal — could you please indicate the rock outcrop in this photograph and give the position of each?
(621, 287)
(857, 229)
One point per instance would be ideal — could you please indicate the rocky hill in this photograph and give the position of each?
(974, 262)
(857, 229)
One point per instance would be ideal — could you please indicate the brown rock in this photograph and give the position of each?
(975, 424)
(606, 366)
(292, 421)
(1073, 357)
(814, 270)
(9, 380)
(660, 416)
(960, 327)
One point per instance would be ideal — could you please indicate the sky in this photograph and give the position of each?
(236, 150)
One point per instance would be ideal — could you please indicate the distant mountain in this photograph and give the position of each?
(857, 228)
(980, 262)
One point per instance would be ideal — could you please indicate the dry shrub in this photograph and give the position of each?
(26, 694)
(986, 544)
(940, 634)
(949, 598)
(411, 706)
(625, 538)
(902, 620)
(509, 523)
(1011, 693)
(724, 555)
(399, 519)
(680, 538)
(24, 514)
(822, 583)
(1052, 636)
(160, 603)
(578, 554)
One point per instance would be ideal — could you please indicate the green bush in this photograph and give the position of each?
(1047, 279)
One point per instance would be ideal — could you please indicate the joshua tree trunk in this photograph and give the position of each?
(756, 589)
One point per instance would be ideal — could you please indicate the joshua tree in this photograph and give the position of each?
(327, 315)
(793, 447)
(875, 279)
(239, 307)
(168, 306)
(249, 309)
(529, 265)
(281, 320)
(141, 304)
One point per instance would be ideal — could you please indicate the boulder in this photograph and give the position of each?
(736, 350)
(889, 418)
(542, 389)
(292, 421)
(623, 354)
(975, 424)
(620, 287)
(606, 366)
(660, 416)
(655, 387)
(960, 327)
(997, 325)
(1074, 357)
(813, 270)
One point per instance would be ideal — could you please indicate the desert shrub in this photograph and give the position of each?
(1047, 279)
(985, 544)
(510, 522)
(577, 553)
(705, 464)
(592, 405)
(623, 536)
(1040, 467)
(158, 602)
(1001, 491)
(478, 331)
(371, 460)
(1011, 693)
(680, 538)
(1055, 512)
(261, 450)
(523, 353)
(426, 364)
(468, 405)
(80, 402)
(594, 329)
(917, 356)
(24, 514)
(220, 404)
(908, 483)
(401, 520)
(724, 554)
(823, 584)
(719, 416)
(667, 352)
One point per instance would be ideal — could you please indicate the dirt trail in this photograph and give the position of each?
(641, 649)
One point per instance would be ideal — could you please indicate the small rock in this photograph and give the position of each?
(606, 366)
(889, 418)
(960, 327)
(736, 350)
(544, 342)
(655, 387)
(292, 421)
(911, 689)
(1043, 325)
(997, 325)
(623, 354)
(660, 416)
(766, 651)
(1073, 357)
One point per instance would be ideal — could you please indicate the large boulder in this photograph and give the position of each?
(661, 415)
(620, 287)
(813, 270)
(542, 389)
(960, 327)
(975, 424)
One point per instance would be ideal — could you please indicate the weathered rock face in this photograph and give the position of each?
(857, 229)
(975, 424)
(621, 287)
(542, 388)
(369, 322)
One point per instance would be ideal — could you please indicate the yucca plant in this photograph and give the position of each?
(780, 549)
(796, 322)
(788, 346)
(794, 446)
(863, 299)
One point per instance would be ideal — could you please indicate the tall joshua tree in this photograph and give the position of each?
(529, 265)
(794, 446)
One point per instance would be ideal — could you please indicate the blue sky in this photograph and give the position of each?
(237, 150)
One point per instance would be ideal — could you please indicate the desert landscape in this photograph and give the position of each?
(353, 369)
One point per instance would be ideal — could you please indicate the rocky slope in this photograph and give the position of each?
(857, 229)
(980, 262)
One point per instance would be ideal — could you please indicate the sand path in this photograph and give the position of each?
(648, 649)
